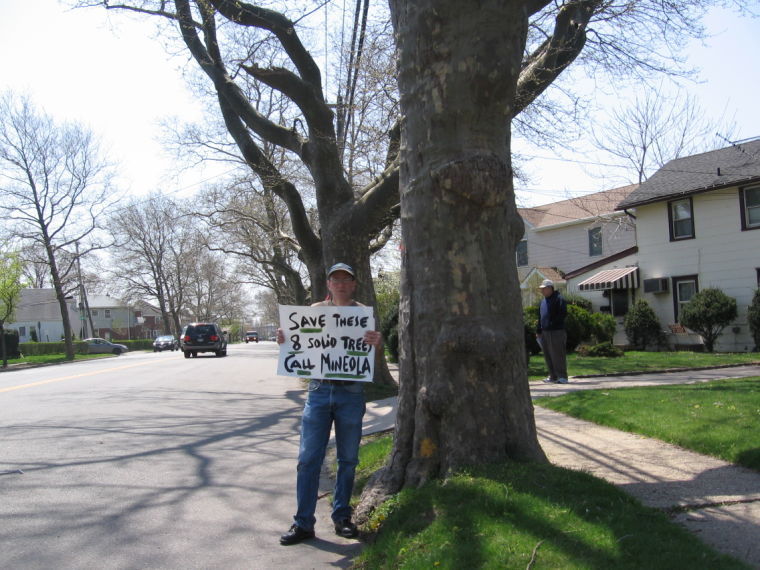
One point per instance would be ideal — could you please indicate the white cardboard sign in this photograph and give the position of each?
(326, 343)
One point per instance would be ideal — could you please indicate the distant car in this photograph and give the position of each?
(102, 346)
(166, 342)
(251, 336)
(202, 337)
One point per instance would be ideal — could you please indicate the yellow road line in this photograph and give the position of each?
(51, 380)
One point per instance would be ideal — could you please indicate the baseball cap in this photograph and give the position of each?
(546, 283)
(341, 267)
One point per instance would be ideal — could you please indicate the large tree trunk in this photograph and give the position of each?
(464, 396)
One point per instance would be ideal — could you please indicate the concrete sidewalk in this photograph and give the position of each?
(718, 501)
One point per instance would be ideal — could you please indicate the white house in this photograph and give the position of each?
(38, 316)
(575, 233)
(698, 226)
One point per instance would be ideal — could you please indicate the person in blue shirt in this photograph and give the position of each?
(551, 334)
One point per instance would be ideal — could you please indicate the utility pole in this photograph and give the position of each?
(84, 303)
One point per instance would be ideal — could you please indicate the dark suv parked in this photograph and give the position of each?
(202, 337)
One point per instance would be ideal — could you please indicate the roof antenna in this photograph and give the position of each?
(734, 144)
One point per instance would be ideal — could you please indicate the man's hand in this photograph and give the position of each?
(280, 336)
(373, 338)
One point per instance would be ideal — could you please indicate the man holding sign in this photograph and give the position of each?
(333, 347)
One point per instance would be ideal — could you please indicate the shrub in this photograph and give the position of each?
(389, 328)
(578, 301)
(642, 326)
(137, 344)
(40, 348)
(530, 321)
(11, 343)
(602, 327)
(578, 326)
(387, 297)
(708, 313)
(601, 349)
(753, 318)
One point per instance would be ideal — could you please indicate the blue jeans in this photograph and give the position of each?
(327, 404)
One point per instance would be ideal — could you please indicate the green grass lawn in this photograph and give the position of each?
(718, 418)
(53, 358)
(523, 516)
(543, 516)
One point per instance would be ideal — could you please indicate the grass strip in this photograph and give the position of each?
(527, 516)
(717, 418)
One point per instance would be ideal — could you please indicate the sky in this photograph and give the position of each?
(106, 72)
(110, 73)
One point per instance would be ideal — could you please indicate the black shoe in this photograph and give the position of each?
(295, 535)
(346, 528)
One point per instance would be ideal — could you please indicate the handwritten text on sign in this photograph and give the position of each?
(326, 343)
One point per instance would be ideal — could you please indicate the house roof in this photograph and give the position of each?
(146, 307)
(575, 210)
(699, 173)
(37, 305)
(545, 273)
(104, 302)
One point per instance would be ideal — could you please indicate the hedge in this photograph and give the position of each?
(139, 344)
(39, 348)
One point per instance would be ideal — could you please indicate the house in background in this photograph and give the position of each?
(575, 233)
(574, 237)
(697, 227)
(148, 321)
(530, 282)
(111, 317)
(610, 283)
(38, 316)
(115, 319)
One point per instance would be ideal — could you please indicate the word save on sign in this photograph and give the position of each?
(326, 343)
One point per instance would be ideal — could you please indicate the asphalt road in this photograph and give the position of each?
(151, 460)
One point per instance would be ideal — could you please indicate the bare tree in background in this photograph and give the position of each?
(268, 310)
(149, 234)
(252, 225)
(35, 266)
(213, 294)
(55, 186)
(657, 128)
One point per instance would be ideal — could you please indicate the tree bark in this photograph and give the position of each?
(464, 396)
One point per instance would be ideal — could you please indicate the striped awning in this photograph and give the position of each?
(625, 278)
